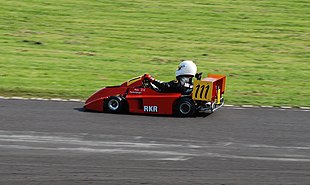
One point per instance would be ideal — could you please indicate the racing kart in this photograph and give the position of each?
(138, 95)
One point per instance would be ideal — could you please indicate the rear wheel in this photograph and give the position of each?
(185, 107)
(115, 104)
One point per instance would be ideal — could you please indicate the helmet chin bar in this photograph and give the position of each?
(188, 76)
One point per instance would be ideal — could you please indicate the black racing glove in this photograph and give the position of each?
(198, 76)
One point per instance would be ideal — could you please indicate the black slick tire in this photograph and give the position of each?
(185, 107)
(114, 104)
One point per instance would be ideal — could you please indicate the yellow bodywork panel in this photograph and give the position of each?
(133, 80)
(218, 100)
(202, 90)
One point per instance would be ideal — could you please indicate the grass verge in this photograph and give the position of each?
(69, 49)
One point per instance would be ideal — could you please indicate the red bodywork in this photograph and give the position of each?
(138, 97)
(146, 100)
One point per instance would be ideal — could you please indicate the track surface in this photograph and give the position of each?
(49, 142)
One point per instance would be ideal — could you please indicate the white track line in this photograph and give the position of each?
(40, 99)
(238, 107)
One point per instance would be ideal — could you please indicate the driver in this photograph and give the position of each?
(184, 79)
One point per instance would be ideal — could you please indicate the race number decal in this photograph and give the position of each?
(202, 90)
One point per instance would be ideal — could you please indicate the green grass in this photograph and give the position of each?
(70, 48)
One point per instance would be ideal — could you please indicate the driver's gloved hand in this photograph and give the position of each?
(198, 76)
(149, 78)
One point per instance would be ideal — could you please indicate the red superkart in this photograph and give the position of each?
(138, 95)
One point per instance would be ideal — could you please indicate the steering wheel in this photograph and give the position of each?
(147, 84)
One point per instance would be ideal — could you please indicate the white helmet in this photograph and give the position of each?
(187, 67)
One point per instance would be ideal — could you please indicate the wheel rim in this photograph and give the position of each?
(185, 108)
(113, 104)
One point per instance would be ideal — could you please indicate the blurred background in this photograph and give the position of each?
(71, 48)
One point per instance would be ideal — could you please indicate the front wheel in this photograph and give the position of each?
(185, 107)
(114, 104)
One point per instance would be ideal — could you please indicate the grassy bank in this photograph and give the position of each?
(69, 48)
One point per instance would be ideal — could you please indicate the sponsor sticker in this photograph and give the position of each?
(150, 109)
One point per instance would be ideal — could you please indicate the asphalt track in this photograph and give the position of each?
(53, 142)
